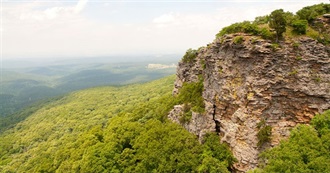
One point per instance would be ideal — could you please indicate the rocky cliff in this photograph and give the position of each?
(248, 80)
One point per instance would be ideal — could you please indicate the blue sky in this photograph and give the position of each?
(87, 28)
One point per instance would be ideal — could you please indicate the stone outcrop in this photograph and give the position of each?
(326, 16)
(253, 80)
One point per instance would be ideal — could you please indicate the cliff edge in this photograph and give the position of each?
(251, 83)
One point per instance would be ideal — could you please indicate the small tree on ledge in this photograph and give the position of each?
(277, 22)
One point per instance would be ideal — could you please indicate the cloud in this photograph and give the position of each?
(165, 18)
(180, 31)
(52, 13)
(30, 12)
(80, 6)
(59, 29)
(44, 28)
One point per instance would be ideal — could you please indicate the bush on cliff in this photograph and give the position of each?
(190, 55)
(306, 150)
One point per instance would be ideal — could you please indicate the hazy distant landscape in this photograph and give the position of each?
(164, 86)
(25, 82)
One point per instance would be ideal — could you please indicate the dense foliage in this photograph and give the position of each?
(264, 134)
(125, 129)
(10, 121)
(110, 129)
(215, 157)
(191, 97)
(278, 22)
(299, 26)
(22, 87)
(238, 40)
(307, 149)
(245, 27)
(275, 25)
(191, 93)
(310, 13)
(190, 55)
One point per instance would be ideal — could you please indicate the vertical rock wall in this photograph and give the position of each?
(256, 80)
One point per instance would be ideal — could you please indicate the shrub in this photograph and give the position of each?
(306, 150)
(191, 94)
(275, 46)
(311, 12)
(261, 20)
(295, 45)
(190, 55)
(299, 27)
(290, 17)
(254, 40)
(203, 64)
(218, 154)
(321, 122)
(245, 27)
(238, 40)
(264, 133)
(293, 72)
(266, 34)
(249, 28)
(312, 33)
(187, 114)
(317, 79)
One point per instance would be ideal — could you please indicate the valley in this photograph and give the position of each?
(256, 99)
(24, 83)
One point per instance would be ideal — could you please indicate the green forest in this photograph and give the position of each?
(110, 129)
(29, 84)
(306, 150)
(125, 128)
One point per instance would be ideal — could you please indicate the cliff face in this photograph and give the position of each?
(251, 80)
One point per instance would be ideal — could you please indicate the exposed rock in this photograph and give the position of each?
(199, 123)
(326, 16)
(253, 81)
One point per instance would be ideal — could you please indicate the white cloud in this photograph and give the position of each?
(52, 13)
(43, 29)
(30, 14)
(80, 6)
(165, 18)
(60, 29)
(181, 31)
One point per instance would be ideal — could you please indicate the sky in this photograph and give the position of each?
(90, 28)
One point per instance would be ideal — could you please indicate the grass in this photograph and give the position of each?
(293, 72)
(238, 40)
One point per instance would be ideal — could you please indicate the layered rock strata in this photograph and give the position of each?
(252, 80)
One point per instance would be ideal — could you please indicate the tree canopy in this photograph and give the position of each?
(306, 150)
(280, 24)
(110, 129)
(277, 21)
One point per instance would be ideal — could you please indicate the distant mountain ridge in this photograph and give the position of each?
(24, 86)
(232, 99)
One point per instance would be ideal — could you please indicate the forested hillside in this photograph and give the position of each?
(28, 83)
(256, 93)
(110, 129)
(124, 129)
(306, 150)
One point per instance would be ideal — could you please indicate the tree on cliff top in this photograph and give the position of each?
(277, 22)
